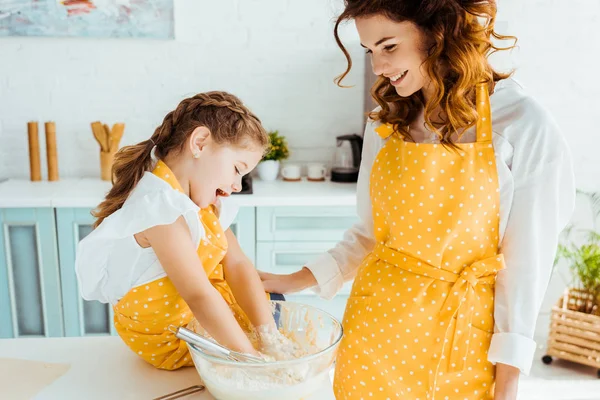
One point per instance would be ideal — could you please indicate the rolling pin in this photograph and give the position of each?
(51, 151)
(34, 151)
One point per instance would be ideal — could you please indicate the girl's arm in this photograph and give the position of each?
(177, 255)
(245, 284)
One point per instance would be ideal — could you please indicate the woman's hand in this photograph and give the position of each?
(289, 283)
(507, 382)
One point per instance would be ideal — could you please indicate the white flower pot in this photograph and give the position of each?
(268, 170)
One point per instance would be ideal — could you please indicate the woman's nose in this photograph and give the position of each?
(378, 65)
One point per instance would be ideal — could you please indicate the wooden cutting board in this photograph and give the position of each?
(23, 379)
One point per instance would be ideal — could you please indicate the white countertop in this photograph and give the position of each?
(103, 368)
(88, 193)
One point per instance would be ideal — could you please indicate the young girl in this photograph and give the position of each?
(462, 196)
(161, 252)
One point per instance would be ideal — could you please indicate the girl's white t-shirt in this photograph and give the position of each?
(109, 260)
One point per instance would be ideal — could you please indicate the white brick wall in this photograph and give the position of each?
(279, 56)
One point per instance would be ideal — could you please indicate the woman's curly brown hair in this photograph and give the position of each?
(460, 34)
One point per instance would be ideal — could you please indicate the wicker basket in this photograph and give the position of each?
(574, 335)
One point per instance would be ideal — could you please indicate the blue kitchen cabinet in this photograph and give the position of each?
(30, 297)
(82, 317)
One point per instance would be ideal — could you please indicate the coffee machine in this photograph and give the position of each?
(346, 161)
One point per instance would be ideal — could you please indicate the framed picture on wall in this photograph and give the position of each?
(149, 19)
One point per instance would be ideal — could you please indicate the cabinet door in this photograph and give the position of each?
(304, 223)
(288, 257)
(244, 228)
(335, 306)
(82, 317)
(30, 299)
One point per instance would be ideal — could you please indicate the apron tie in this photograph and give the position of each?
(459, 301)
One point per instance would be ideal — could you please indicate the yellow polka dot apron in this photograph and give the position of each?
(419, 320)
(143, 315)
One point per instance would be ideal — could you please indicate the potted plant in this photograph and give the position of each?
(575, 322)
(268, 168)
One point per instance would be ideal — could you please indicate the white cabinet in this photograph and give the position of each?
(289, 237)
(288, 257)
(303, 223)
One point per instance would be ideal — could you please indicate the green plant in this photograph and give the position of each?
(584, 259)
(278, 148)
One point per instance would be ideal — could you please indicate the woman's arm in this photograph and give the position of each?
(328, 272)
(507, 382)
(543, 201)
(245, 283)
(176, 253)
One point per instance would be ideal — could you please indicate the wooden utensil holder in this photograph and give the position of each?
(106, 162)
(109, 140)
(574, 335)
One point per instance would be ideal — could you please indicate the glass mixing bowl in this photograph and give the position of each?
(293, 379)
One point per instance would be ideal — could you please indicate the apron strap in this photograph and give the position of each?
(484, 122)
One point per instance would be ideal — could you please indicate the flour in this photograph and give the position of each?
(264, 382)
(296, 337)
(241, 387)
(275, 346)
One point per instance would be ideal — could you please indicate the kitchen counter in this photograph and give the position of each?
(88, 193)
(102, 368)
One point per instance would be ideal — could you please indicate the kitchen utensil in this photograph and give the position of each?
(35, 170)
(291, 379)
(211, 347)
(182, 393)
(51, 153)
(291, 172)
(115, 136)
(107, 135)
(109, 140)
(100, 135)
(347, 157)
(316, 172)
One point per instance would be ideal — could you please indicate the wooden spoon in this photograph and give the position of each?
(115, 136)
(98, 132)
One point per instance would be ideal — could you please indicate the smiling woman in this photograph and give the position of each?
(439, 46)
(465, 183)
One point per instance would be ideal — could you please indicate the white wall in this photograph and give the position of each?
(279, 56)
(557, 58)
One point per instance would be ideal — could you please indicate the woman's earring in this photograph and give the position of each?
(196, 155)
